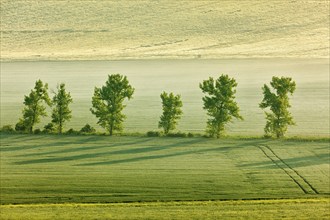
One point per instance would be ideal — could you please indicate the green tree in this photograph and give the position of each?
(278, 102)
(108, 102)
(34, 107)
(61, 112)
(219, 103)
(171, 111)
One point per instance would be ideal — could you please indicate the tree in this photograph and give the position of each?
(278, 101)
(219, 103)
(171, 111)
(61, 112)
(108, 102)
(34, 107)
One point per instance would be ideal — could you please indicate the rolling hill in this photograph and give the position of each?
(103, 30)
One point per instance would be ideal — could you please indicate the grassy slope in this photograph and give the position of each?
(270, 209)
(147, 29)
(84, 169)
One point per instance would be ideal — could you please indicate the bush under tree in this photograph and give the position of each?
(87, 129)
(7, 129)
(20, 127)
(49, 128)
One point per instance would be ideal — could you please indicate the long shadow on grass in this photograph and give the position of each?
(293, 162)
(44, 141)
(86, 148)
(150, 149)
(118, 152)
(27, 141)
(151, 157)
(182, 153)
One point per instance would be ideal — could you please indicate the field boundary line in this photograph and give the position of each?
(303, 178)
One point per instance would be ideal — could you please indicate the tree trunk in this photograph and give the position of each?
(218, 130)
(32, 123)
(110, 130)
(278, 135)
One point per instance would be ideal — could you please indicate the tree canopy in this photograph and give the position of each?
(61, 111)
(34, 106)
(108, 102)
(278, 101)
(219, 103)
(171, 111)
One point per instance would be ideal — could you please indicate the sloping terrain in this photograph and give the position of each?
(77, 29)
(96, 169)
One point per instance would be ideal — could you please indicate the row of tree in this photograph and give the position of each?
(107, 105)
(35, 107)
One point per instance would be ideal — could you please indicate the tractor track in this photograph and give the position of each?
(301, 181)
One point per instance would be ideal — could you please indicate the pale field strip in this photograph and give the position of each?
(110, 30)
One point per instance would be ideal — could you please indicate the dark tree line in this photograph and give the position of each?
(107, 106)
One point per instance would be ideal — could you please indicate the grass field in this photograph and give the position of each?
(89, 169)
(150, 173)
(73, 177)
(89, 30)
(166, 46)
(264, 209)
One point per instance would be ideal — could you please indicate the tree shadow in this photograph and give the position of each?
(136, 150)
(52, 143)
(151, 157)
(294, 162)
(100, 154)
(84, 148)
(182, 153)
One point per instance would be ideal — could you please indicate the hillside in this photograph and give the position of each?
(92, 30)
(99, 169)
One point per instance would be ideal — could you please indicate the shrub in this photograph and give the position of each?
(37, 131)
(153, 134)
(267, 136)
(71, 131)
(49, 128)
(87, 129)
(20, 126)
(190, 135)
(178, 134)
(7, 129)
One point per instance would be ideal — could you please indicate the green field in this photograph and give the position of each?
(88, 169)
(151, 173)
(167, 46)
(262, 209)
